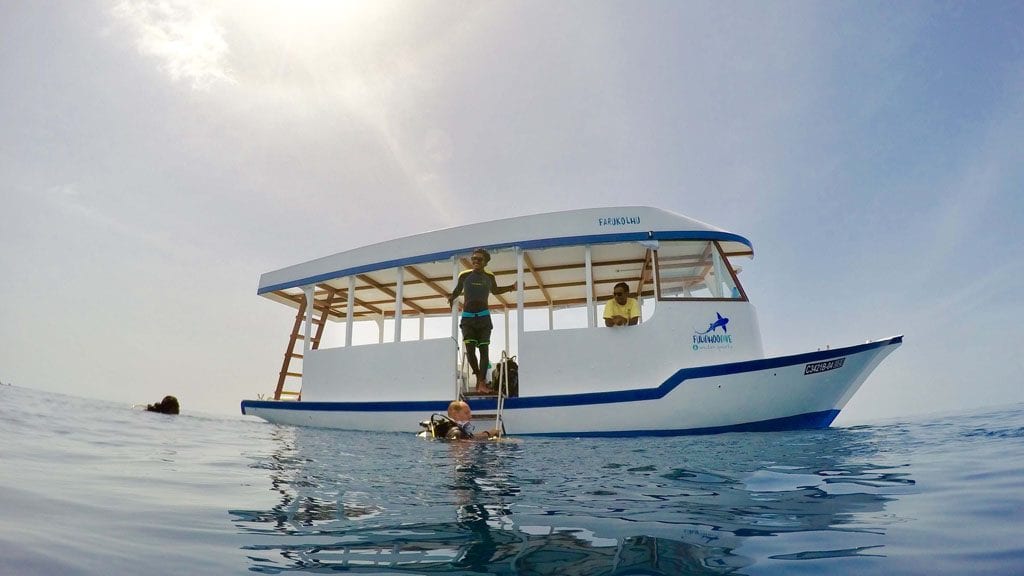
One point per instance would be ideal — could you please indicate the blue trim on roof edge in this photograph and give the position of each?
(527, 245)
(584, 399)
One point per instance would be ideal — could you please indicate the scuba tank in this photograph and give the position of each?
(441, 426)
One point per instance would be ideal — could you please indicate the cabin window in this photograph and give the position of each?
(557, 283)
(422, 289)
(556, 286)
(695, 270)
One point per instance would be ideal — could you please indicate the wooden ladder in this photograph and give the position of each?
(298, 335)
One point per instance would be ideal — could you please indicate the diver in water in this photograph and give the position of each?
(458, 425)
(461, 414)
(169, 405)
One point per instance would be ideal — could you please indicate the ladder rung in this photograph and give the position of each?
(289, 393)
(302, 318)
(295, 374)
(295, 355)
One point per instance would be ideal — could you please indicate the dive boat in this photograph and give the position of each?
(376, 346)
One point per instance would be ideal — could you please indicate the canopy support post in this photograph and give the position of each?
(308, 340)
(399, 285)
(520, 297)
(591, 322)
(350, 310)
(455, 329)
(506, 330)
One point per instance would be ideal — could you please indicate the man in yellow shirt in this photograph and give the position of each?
(621, 310)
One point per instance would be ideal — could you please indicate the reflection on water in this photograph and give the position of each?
(368, 503)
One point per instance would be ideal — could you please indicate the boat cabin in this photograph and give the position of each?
(374, 324)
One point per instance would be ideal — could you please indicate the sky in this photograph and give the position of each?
(156, 157)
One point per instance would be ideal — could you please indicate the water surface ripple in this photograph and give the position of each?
(94, 488)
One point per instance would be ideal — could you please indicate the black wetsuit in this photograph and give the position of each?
(476, 324)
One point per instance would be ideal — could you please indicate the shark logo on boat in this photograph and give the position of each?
(709, 339)
(719, 323)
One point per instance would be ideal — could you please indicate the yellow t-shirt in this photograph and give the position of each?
(629, 310)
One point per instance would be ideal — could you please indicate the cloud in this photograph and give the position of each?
(309, 71)
(188, 39)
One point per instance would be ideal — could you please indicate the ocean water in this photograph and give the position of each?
(90, 487)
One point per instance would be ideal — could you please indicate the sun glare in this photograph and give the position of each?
(186, 38)
(279, 42)
(316, 50)
(313, 26)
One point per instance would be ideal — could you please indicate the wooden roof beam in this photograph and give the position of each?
(445, 311)
(343, 295)
(706, 256)
(428, 281)
(536, 276)
(388, 291)
(592, 265)
(648, 257)
(433, 281)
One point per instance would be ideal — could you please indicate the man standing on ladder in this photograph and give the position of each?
(477, 284)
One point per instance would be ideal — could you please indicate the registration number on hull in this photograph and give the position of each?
(816, 367)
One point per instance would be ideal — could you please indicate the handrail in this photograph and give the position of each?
(460, 372)
(502, 392)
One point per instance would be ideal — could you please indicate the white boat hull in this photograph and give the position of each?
(782, 393)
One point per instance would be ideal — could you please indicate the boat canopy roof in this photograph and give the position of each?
(554, 247)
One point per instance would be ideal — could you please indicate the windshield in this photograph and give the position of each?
(695, 270)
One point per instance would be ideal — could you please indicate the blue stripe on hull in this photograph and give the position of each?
(809, 421)
(585, 399)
